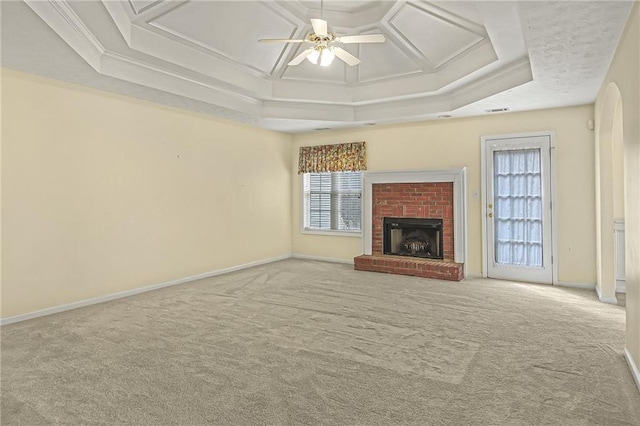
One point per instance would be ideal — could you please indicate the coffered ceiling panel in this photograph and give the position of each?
(384, 61)
(438, 37)
(440, 58)
(230, 29)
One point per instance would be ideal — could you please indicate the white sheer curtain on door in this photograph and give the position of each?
(518, 207)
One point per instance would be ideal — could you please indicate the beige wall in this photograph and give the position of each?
(624, 72)
(1, 74)
(456, 143)
(618, 162)
(103, 193)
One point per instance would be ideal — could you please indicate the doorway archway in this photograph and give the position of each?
(609, 191)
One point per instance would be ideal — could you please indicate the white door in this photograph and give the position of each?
(518, 209)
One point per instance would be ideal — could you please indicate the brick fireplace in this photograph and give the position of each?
(424, 197)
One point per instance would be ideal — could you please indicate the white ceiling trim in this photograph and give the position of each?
(133, 70)
(200, 61)
(66, 23)
(515, 74)
(232, 89)
(439, 15)
(357, 20)
(518, 73)
(485, 64)
(139, 10)
(296, 30)
(63, 20)
(120, 17)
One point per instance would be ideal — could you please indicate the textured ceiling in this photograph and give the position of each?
(441, 58)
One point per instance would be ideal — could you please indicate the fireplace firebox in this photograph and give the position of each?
(416, 237)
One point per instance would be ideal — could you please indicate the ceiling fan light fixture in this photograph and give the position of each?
(323, 50)
(327, 57)
(313, 56)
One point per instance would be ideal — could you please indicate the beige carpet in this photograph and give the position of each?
(304, 342)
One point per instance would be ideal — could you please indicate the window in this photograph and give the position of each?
(332, 201)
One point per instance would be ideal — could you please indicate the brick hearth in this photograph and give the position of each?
(402, 265)
(412, 200)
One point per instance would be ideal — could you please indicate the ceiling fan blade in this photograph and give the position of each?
(280, 40)
(362, 38)
(319, 26)
(345, 56)
(301, 57)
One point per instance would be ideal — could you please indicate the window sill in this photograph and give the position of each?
(357, 234)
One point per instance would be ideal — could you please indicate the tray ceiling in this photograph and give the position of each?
(440, 57)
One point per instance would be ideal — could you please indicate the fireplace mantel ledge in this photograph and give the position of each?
(456, 175)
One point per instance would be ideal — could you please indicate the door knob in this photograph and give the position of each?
(490, 205)
(490, 215)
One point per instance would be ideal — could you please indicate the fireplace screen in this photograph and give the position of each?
(413, 237)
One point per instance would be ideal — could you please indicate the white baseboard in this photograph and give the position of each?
(586, 286)
(633, 367)
(621, 286)
(322, 259)
(611, 300)
(127, 293)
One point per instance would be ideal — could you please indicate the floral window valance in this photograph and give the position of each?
(342, 157)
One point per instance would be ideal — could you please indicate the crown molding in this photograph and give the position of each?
(64, 21)
(181, 68)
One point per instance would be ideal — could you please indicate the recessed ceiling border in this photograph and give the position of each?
(60, 17)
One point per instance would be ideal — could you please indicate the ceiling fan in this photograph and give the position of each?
(326, 44)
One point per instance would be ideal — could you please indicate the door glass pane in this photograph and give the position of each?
(517, 182)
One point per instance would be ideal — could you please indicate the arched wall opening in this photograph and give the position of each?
(609, 193)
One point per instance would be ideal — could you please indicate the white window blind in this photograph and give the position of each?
(332, 201)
